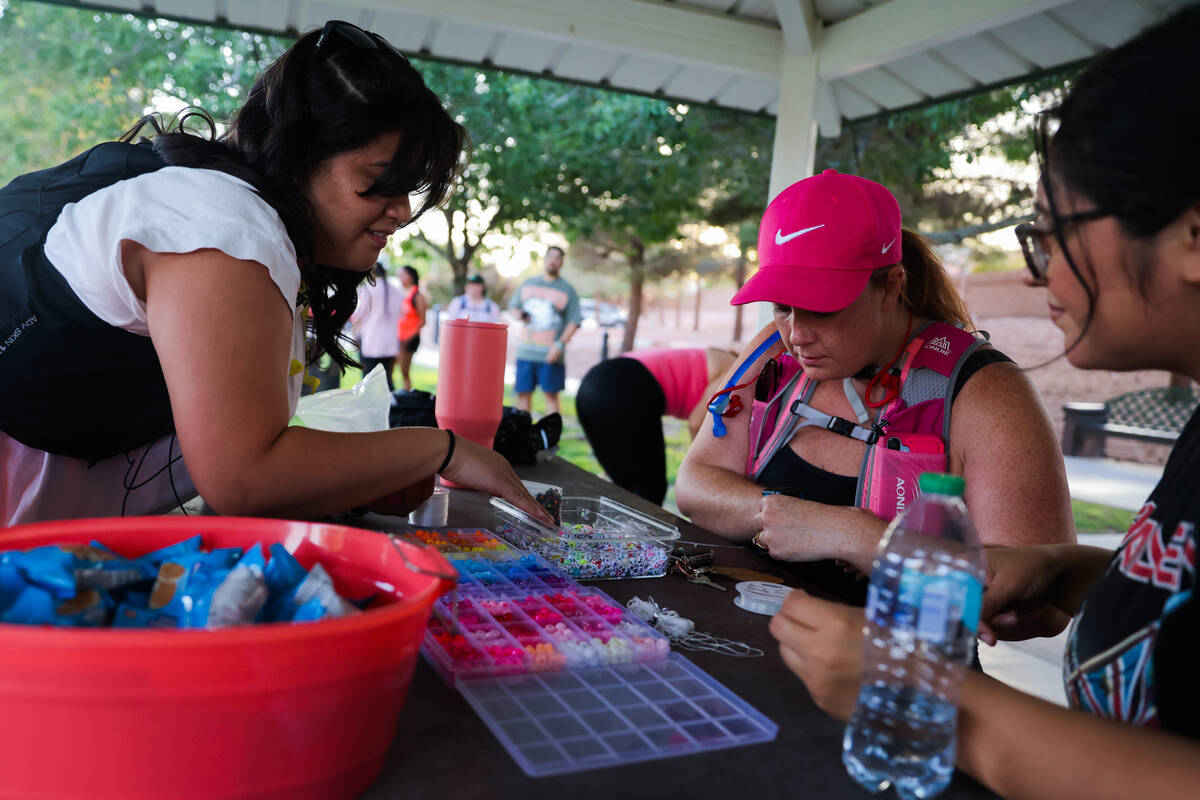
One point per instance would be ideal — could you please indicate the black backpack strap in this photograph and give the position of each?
(70, 383)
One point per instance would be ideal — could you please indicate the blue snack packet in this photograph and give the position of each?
(157, 557)
(184, 578)
(11, 582)
(130, 616)
(101, 568)
(33, 606)
(317, 599)
(283, 574)
(90, 608)
(311, 611)
(49, 567)
(238, 598)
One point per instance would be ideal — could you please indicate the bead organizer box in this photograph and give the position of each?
(599, 538)
(551, 723)
(564, 676)
(471, 638)
(513, 612)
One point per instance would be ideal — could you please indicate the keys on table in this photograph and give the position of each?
(693, 566)
(704, 580)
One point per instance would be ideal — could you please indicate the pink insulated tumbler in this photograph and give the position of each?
(470, 386)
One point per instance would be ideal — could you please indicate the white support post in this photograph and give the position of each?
(796, 122)
(795, 131)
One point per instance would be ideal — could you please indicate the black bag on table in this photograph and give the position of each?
(411, 408)
(519, 439)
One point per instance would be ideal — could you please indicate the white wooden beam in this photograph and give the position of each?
(899, 28)
(799, 23)
(638, 27)
(796, 123)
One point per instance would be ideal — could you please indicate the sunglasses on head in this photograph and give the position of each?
(364, 40)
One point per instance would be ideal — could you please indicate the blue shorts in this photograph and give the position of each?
(531, 374)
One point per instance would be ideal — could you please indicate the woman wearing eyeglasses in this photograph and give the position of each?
(881, 380)
(157, 294)
(1116, 243)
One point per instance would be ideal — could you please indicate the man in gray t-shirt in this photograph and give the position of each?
(549, 307)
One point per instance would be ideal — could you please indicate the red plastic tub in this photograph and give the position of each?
(271, 711)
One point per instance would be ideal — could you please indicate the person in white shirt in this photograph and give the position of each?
(474, 304)
(197, 263)
(374, 323)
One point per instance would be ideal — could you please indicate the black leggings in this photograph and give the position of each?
(620, 406)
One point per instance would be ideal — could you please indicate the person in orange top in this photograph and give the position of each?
(412, 319)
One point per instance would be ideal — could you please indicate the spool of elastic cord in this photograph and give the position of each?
(761, 597)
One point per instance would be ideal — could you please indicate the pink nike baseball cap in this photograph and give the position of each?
(821, 239)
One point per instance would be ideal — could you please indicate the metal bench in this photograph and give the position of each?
(1150, 415)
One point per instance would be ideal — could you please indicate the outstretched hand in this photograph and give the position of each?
(474, 466)
(1017, 600)
(822, 642)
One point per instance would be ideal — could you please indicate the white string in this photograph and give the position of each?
(682, 631)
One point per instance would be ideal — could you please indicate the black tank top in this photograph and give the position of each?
(790, 474)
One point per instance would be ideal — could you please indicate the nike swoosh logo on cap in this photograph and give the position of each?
(887, 247)
(781, 239)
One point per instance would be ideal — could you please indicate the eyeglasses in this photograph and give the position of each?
(1037, 257)
(364, 40)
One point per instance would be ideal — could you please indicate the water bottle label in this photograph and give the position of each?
(927, 605)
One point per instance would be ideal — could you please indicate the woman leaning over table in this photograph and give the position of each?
(859, 303)
(164, 307)
(1117, 244)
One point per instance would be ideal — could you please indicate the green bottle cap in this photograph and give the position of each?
(941, 483)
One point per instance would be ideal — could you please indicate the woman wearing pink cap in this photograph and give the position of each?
(863, 366)
(1116, 243)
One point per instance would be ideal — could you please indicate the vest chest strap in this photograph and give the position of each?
(810, 416)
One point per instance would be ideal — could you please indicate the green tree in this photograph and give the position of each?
(73, 77)
(624, 172)
(911, 153)
(510, 121)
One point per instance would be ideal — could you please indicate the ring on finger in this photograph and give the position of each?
(757, 541)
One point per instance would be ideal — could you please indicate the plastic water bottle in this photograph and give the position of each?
(922, 616)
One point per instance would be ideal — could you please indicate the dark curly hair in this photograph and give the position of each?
(1126, 139)
(310, 105)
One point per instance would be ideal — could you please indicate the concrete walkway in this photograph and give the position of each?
(1121, 484)
(1035, 666)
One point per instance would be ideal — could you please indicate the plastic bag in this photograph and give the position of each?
(361, 409)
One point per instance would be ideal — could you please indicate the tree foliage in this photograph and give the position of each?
(619, 171)
(73, 77)
(911, 153)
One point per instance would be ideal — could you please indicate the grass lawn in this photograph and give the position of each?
(1097, 518)
(1089, 517)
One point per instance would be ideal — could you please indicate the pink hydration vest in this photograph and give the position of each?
(911, 435)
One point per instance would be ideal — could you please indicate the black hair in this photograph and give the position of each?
(310, 105)
(1126, 138)
(561, 252)
(412, 273)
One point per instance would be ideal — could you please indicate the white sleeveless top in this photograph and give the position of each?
(171, 210)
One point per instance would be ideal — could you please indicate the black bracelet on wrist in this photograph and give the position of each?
(449, 453)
